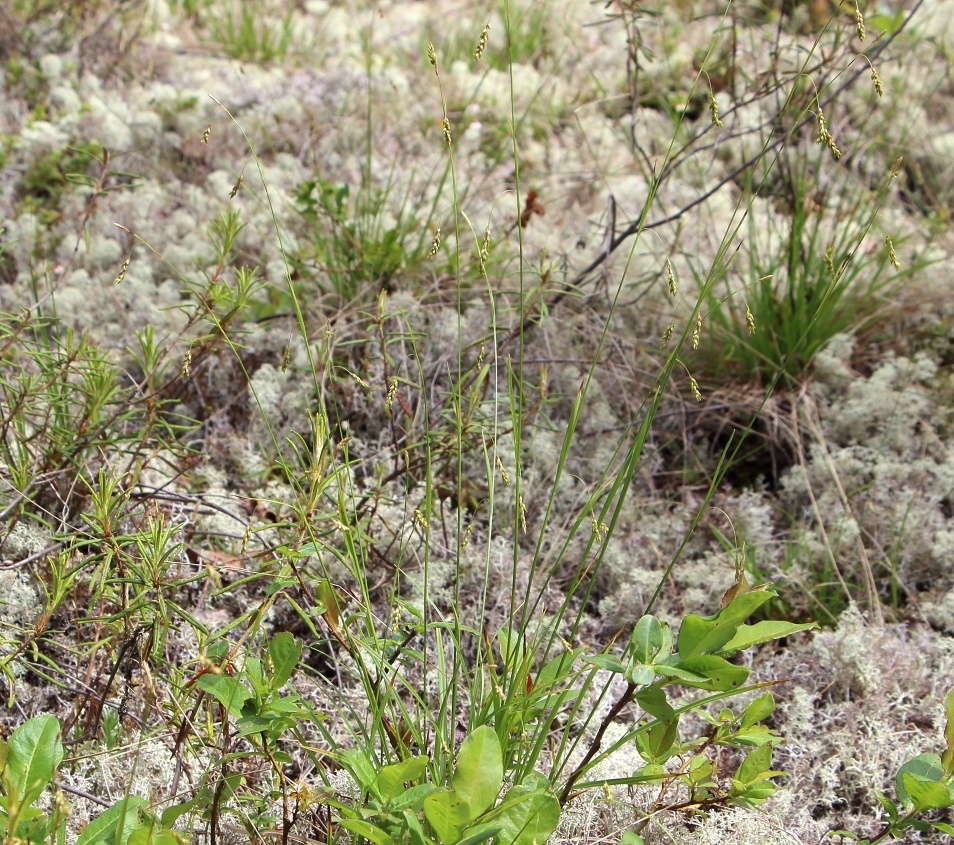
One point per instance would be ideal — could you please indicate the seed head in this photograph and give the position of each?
(482, 43)
(236, 186)
(122, 270)
(432, 55)
(670, 276)
(878, 84)
(749, 319)
(503, 470)
(714, 110)
(825, 137)
(205, 134)
(435, 244)
(892, 254)
(667, 335)
(859, 22)
(697, 332)
(446, 131)
(694, 387)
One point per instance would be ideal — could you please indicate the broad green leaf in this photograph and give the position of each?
(630, 838)
(648, 639)
(709, 634)
(747, 636)
(391, 779)
(34, 752)
(709, 672)
(152, 836)
(284, 652)
(369, 831)
(943, 827)
(755, 764)
(758, 709)
(115, 825)
(171, 814)
(415, 829)
(926, 767)
(479, 833)
(609, 662)
(947, 758)
(654, 745)
(557, 670)
(513, 649)
(924, 794)
(361, 768)
(478, 775)
(529, 813)
(413, 798)
(653, 701)
(229, 692)
(447, 813)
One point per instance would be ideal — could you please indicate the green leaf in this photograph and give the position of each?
(171, 814)
(284, 652)
(229, 692)
(478, 775)
(648, 639)
(413, 798)
(479, 833)
(707, 671)
(152, 836)
(367, 830)
(755, 764)
(654, 745)
(34, 753)
(747, 636)
(709, 634)
(361, 769)
(924, 794)
(557, 670)
(447, 813)
(391, 779)
(947, 758)
(609, 662)
(529, 813)
(653, 701)
(758, 709)
(114, 825)
(926, 767)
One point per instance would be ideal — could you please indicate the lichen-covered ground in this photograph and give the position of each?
(320, 128)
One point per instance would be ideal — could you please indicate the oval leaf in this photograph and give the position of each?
(479, 772)
(34, 753)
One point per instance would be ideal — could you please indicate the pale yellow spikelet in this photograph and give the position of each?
(697, 332)
(419, 519)
(484, 253)
(892, 254)
(830, 262)
(878, 84)
(714, 110)
(824, 135)
(205, 134)
(432, 55)
(502, 470)
(523, 515)
(435, 244)
(859, 23)
(670, 276)
(389, 399)
(122, 270)
(482, 43)
(286, 358)
(749, 319)
(467, 532)
(897, 167)
(667, 335)
(694, 387)
(446, 131)
(481, 355)
(236, 186)
(187, 365)
(599, 528)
